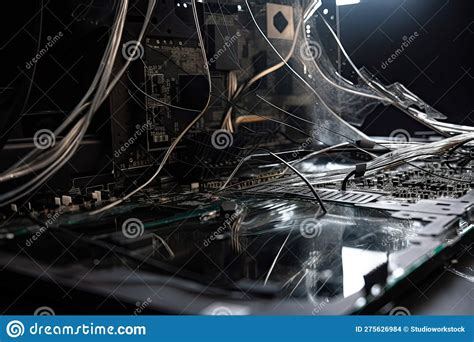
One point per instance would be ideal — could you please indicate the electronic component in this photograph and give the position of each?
(214, 151)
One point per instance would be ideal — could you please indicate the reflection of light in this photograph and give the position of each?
(347, 2)
(287, 215)
(311, 166)
(355, 264)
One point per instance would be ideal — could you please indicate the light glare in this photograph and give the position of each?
(346, 2)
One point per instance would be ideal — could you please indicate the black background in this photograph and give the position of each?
(437, 66)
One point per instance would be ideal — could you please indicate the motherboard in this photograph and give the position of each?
(214, 164)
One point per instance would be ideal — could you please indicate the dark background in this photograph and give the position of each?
(437, 66)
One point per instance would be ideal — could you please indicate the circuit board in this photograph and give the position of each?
(268, 199)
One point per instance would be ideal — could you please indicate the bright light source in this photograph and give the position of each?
(347, 2)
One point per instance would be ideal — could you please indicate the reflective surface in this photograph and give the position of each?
(283, 245)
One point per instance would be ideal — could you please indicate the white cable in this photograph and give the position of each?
(421, 117)
(336, 117)
(158, 100)
(183, 133)
(103, 89)
(260, 75)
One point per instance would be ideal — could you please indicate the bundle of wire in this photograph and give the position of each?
(182, 134)
(375, 91)
(236, 92)
(396, 158)
(381, 92)
(44, 163)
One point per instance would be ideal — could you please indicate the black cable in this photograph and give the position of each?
(362, 144)
(308, 183)
(359, 171)
(346, 180)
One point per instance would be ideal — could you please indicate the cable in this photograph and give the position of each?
(330, 111)
(299, 174)
(440, 127)
(375, 143)
(106, 60)
(340, 87)
(313, 123)
(416, 148)
(158, 100)
(183, 133)
(102, 89)
(227, 122)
